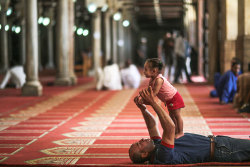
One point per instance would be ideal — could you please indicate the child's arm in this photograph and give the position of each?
(157, 86)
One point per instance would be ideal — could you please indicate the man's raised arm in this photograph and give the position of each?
(149, 119)
(167, 123)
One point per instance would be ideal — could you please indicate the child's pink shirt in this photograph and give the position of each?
(166, 92)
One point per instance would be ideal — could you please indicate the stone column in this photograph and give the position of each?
(23, 41)
(114, 41)
(40, 11)
(190, 23)
(229, 30)
(200, 37)
(62, 45)
(121, 54)
(4, 37)
(107, 36)
(96, 39)
(32, 87)
(21, 9)
(213, 38)
(127, 43)
(71, 42)
(50, 62)
(243, 39)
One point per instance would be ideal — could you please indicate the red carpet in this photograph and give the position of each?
(80, 126)
(221, 119)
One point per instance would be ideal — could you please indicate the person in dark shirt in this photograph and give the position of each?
(190, 148)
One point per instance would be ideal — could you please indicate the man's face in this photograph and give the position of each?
(236, 69)
(143, 145)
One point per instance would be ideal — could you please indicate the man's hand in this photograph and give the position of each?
(139, 104)
(148, 95)
(148, 117)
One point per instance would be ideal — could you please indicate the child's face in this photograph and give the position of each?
(148, 71)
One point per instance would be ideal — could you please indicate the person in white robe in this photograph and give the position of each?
(15, 75)
(131, 77)
(109, 78)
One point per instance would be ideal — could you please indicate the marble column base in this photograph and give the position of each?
(63, 81)
(32, 88)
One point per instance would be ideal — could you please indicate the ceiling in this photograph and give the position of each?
(151, 14)
(148, 14)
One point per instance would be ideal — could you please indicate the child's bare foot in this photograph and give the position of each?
(178, 135)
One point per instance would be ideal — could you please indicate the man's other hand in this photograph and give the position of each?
(148, 95)
(137, 101)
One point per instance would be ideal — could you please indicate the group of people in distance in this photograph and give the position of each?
(112, 78)
(175, 52)
(174, 146)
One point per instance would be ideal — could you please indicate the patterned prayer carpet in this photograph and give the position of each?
(79, 126)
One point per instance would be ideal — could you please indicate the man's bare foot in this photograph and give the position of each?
(178, 135)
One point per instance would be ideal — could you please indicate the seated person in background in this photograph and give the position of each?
(111, 77)
(15, 75)
(188, 149)
(130, 75)
(226, 85)
(246, 105)
(242, 97)
(99, 79)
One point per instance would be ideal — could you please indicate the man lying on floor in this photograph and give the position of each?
(190, 148)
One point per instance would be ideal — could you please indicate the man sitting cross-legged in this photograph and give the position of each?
(190, 148)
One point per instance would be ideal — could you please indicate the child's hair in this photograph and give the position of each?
(155, 63)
